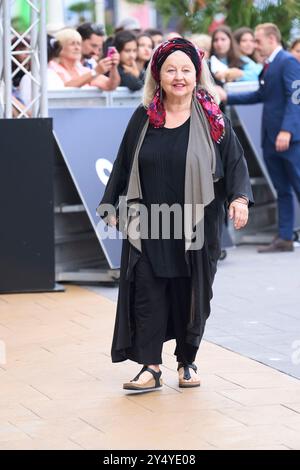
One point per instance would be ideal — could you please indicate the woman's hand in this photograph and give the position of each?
(103, 66)
(115, 58)
(132, 69)
(232, 74)
(238, 211)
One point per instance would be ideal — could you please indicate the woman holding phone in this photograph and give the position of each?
(71, 71)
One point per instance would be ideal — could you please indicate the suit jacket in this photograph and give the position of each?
(275, 92)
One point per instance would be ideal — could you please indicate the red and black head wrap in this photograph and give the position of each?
(156, 110)
(176, 44)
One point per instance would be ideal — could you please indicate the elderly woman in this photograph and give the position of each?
(71, 71)
(178, 151)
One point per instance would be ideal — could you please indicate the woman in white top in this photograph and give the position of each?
(70, 69)
(54, 82)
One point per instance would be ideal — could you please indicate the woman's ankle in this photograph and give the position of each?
(154, 367)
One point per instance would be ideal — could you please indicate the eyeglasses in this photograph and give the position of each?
(98, 29)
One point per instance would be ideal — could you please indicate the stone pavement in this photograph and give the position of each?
(59, 390)
(256, 307)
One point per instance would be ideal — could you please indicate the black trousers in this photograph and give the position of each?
(161, 309)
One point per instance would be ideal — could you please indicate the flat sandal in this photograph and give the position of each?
(154, 383)
(187, 376)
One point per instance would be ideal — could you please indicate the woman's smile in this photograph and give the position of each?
(179, 85)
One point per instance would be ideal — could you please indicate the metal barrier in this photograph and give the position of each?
(77, 251)
(263, 218)
(248, 129)
(93, 98)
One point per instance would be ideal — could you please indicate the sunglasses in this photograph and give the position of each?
(98, 29)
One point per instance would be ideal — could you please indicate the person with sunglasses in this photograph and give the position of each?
(93, 36)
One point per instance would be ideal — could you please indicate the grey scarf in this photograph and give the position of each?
(199, 187)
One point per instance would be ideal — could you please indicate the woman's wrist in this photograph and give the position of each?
(242, 200)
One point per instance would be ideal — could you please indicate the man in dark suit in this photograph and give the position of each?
(280, 127)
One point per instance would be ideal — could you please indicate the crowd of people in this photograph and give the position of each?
(85, 57)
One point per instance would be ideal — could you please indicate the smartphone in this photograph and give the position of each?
(111, 51)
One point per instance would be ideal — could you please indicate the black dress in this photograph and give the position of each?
(162, 160)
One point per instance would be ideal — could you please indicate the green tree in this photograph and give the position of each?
(194, 16)
(282, 14)
(197, 15)
(81, 8)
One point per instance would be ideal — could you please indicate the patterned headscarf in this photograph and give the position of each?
(156, 110)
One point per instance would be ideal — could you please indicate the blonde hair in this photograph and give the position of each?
(270, 28)
(202, 41)
(206, 82)
(67, 34)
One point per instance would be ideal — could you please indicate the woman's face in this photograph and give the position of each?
(144, 48)
(178, 75)
(221, 44)
(247, 44)
(22, 57)
(157, 39)
(129, 53)
(71, 50)
(296, 51)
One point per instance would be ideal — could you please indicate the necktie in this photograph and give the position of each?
(265, 68)
(263, 72)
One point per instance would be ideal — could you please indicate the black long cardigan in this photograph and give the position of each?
(233, 181)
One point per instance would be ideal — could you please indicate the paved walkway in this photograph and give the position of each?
(59, 389)
(256, 307)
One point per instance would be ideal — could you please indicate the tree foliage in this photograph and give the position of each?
(196, 16)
